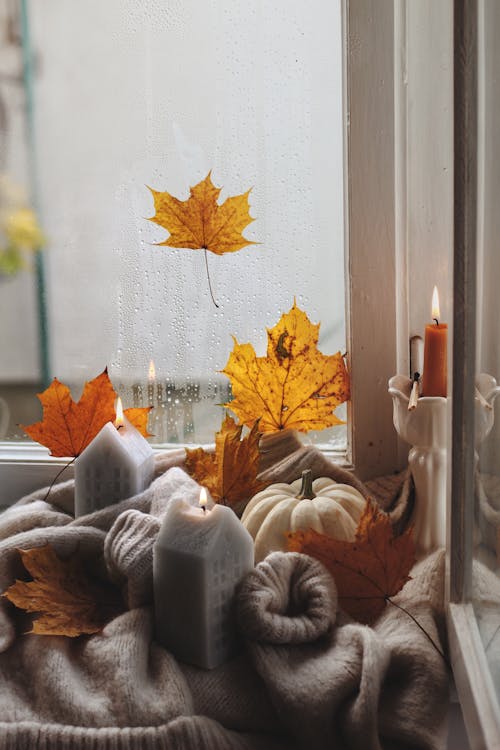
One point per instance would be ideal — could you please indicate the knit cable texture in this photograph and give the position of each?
(307, 677)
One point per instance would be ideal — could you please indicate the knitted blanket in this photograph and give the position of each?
(306, 677)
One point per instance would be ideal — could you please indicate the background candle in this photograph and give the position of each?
(151, 383)
(199, 558)
(434, 379)
(117, 464)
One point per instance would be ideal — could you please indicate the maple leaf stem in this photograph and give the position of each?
(208, 277)
(424, 631)
(57, 477)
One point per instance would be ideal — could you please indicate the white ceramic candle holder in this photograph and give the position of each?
(425, 429)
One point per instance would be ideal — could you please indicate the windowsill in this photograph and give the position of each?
(26, 467)
(472, 677)
(27, 452)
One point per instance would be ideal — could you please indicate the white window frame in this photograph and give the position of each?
(374, 263)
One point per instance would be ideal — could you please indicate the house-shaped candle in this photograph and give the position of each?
(118, 463)
(200, 556)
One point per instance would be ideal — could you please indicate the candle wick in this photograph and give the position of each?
(120, 427)
(416, 377)
(436, 321)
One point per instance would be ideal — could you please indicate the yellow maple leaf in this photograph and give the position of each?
(230, 473)
(295, 386)
(66, 600)
(200, 222)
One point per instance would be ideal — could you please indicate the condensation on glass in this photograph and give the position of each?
(128, 95)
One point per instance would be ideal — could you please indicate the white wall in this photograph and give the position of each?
(158, 93)
(429, 159)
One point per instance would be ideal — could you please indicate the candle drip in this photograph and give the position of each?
(413, 401)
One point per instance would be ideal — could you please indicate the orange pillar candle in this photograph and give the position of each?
(435, 354)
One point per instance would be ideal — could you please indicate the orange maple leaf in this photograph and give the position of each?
(138, 417)
(200, 222)
(68, 600)
(367, 571)
(68, 427)
(230, 473)
(294, 386)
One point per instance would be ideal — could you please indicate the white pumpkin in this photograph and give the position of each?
(323, 505)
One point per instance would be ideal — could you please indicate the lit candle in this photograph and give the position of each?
(200, 556)
(435, 354)
(118, 463)
(151, 383)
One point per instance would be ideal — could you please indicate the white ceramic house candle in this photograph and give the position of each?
(199, 558)
(118, 463)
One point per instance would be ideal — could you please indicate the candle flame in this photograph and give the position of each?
(436, 313)
(151, 371)
(203, 498)
(120, 420)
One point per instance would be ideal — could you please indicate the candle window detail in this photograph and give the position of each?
(200, 556)
(434, 379)
(118, 463)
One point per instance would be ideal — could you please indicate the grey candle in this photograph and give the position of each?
(199, 558)
(117, 464)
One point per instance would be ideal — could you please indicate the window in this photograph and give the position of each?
(111, 231)
(124, 103)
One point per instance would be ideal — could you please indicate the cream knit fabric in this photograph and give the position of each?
(306, 679)
(289, 598)
(348, 686)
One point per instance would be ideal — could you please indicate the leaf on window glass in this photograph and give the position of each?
(67, 600)
(67, 426)
(367, 571)
(138, 417)
(295, 386)
(230, 473)
(200, 222)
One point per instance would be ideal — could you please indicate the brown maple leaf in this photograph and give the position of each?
(200, 222)
(68, 601)
(294, 386)
(230, 473)
(367, 571)
(68, 427)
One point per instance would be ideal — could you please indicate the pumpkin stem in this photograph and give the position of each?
(306, 490)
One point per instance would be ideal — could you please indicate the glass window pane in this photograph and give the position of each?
(128, 95)
(487, 548)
